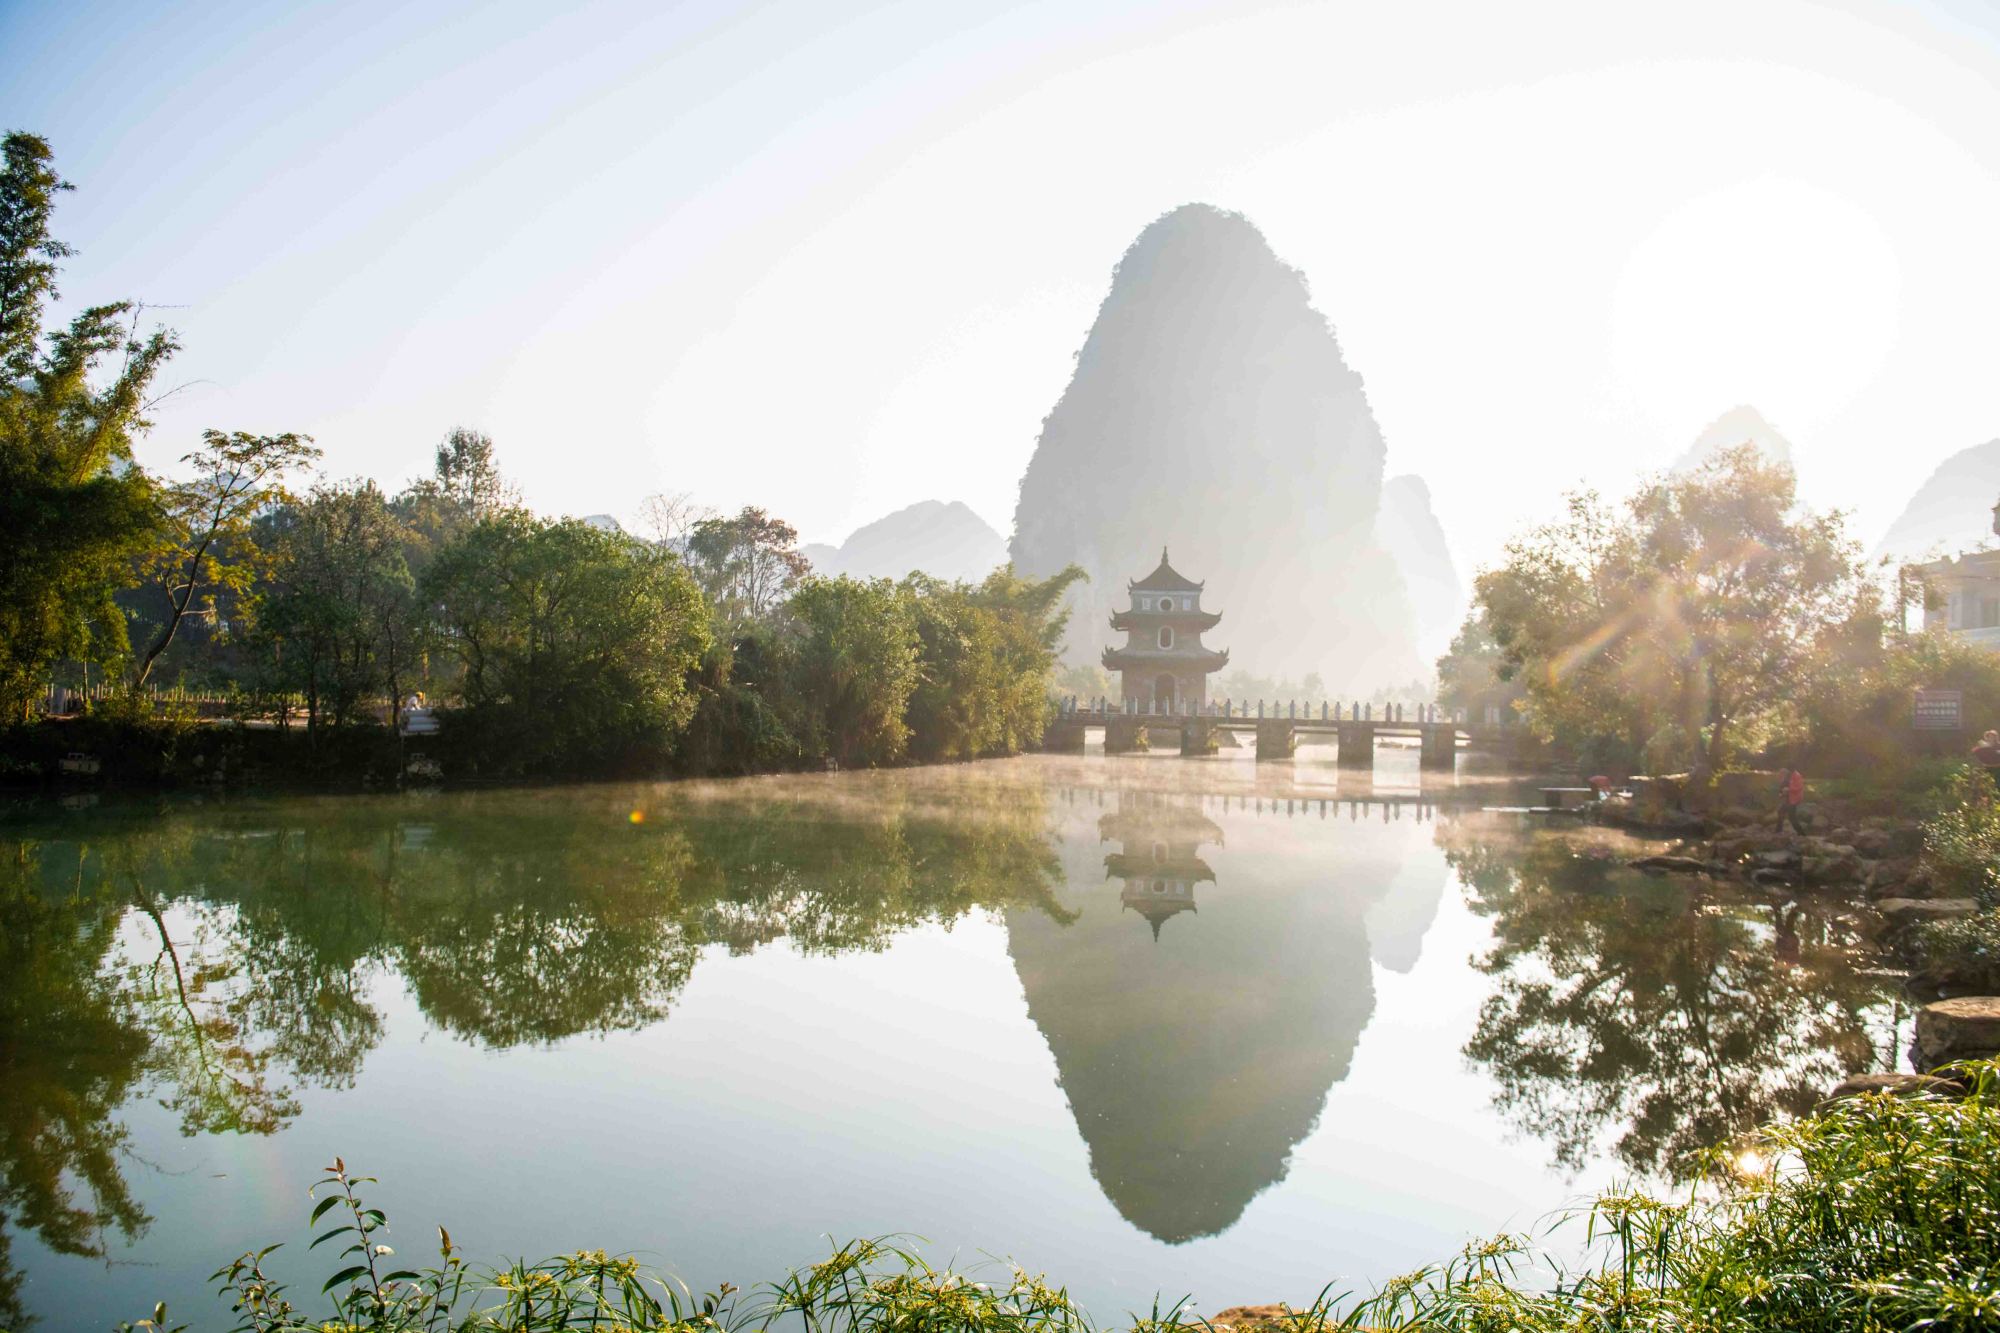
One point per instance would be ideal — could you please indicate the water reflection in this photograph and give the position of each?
(1197, 948)
(217, 959)
(1660, 1016)
(1196, 1059)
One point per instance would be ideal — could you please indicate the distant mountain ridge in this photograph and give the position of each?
(1952, 511)
(1742, 424)
(944, 540)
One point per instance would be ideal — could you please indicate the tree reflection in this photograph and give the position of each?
(1666, 1014)
(71, 1050)
(217, 959)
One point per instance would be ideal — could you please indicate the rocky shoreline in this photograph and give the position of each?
(1873, 859)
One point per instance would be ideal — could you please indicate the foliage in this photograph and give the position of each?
(576, 644)
(1962, 841)
(1474, 673)
(342, 612)
(984, 658)
(854, 667)
(1962, 854)
(1860, 709)
(465, 486)
(740, 722)
(207, 540)
(74, 508)
(1880, 1213)
(746, 565)
(1690, 622)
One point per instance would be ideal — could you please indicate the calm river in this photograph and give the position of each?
(1148, 1024)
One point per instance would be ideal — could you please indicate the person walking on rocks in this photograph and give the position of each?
(1791, 795)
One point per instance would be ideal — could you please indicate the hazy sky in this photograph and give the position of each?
(835, 258)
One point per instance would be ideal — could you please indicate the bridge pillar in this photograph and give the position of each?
(1439, 747)
(1124, 734)
(1064, 734)
(1357, 746)
(1198, 737)
(1276, 739)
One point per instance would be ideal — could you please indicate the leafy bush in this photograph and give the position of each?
(1879, 1213)
(1962, 841)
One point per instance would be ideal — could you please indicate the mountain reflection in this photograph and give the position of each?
(1662, 1015)
(1196, 1057)
(1201, 967)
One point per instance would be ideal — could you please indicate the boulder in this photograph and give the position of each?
(1903, 913)
(1888, 879)
(1967, 1028)
(1782, 859)
(1872, 843)
(1836, 864)
(1895, 1085)
(1248, 1318)
(1676, 865)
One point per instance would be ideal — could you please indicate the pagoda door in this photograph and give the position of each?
(1163, 694)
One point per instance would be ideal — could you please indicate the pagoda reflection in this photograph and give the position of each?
(1158, 861)
(1196, 1058)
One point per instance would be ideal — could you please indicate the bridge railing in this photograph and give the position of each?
(1293, 710)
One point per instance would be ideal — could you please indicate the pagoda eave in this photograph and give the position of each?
(1144, 620)
(1120, 659)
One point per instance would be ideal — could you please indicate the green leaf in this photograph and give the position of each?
(324, 1204)
(344, 1275)
(327, 1235)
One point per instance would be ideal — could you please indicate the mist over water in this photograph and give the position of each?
(1148, 1024)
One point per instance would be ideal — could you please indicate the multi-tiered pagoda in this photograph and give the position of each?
(1163, 665)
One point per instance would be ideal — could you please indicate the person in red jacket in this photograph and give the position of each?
(1791, 795)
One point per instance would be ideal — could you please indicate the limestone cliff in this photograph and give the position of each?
(1211, 411)
(1411, 534)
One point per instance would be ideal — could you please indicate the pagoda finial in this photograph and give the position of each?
(1163, 550)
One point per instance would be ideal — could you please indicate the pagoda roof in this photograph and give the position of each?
(1156, 912)
(1165, 579)
(1125, 620)
(1142, 659)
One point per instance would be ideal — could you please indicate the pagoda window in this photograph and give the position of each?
(1166, 636)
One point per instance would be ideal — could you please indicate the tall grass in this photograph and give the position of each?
(1880, 1213)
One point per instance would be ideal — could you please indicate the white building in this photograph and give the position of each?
(1962, 594)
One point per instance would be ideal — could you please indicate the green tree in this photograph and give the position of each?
(986, 655)
(74, 508)
(576, 644)
(28, 254)
(208, 541)
(1690, 625)
(345, 610)
(854, 668)
(747, 564)
(1474, 673)
(465, 486)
